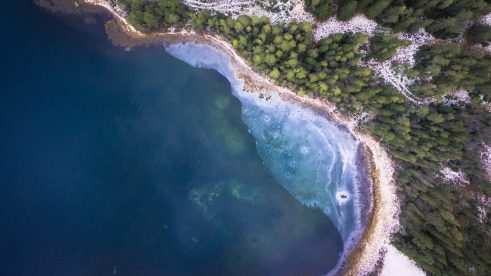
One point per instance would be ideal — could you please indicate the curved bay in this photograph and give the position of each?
(135, 163)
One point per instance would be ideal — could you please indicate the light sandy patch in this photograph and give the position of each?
(396, 263)
(276, 11)
(458, 178)
(485, 19)
(486, 160)
(358, 24)
(483, 207)
(223, 6)
(457, 98)
(407, 54)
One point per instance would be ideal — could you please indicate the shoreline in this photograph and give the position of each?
(365, 256)
(361, 189)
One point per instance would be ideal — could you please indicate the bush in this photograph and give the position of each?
(347, 9)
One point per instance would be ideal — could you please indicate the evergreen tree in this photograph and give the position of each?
(347, 9)
(479, 33)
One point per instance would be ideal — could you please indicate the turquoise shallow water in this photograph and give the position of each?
(136, 163)
(312, 158)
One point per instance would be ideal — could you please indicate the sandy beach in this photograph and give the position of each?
(384, 222)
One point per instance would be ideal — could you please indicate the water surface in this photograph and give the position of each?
(136, 163)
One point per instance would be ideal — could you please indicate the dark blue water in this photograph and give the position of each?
(134, 163)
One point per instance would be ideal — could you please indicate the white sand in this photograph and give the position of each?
(483, 207)
(458, 98)
(398, 264)
(485, 19)
(284, 12)
(457, 178)
(358, 24)
(486, 160)
(407, 54)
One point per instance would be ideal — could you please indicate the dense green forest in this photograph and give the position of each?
(442, 18)
(441, 229)
(155, 14)
(479, 34)
(450, 68)
(383, 47)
